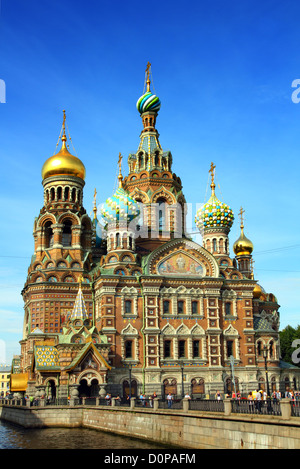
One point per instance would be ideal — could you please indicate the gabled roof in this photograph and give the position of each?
(82, 354)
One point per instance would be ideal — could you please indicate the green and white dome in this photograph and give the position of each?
(214, 214)
(120, 207)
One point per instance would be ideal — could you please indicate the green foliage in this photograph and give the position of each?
(287, 336)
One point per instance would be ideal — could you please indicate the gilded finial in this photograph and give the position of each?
(95, 205)
(148, 75)
(64, 137)
(120, 177)
(80, 280)
(212, 172)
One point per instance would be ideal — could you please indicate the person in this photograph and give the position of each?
(170, 400)
(218, 396)
(187, 396)
(118, 400)
(154, 396)
(143, 400)
(251, 402)
(258, 401)
(108, 399)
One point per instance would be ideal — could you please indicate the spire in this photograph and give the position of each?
(120, 177)
(63, 131)
(148, 68)
(79, 310)
(95, 205)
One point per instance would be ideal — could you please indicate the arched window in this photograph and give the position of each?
(161, 214)
(59, 193)
(48, 234)
(67, 233)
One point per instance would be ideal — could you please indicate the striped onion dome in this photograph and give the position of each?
(214, 214)
(148, 102)
(120, 207)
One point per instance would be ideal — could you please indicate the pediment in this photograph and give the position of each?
(181, 258)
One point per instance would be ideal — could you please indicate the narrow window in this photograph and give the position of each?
(180, 305)
(196, 348)
(181, 348)
(167, 349)
(228, 309)
(195, 307)
(128, 349)
(166, 307)
(128, 309)
(229, 345)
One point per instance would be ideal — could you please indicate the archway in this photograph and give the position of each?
(170, 387)
(126, 390)
(87, 389)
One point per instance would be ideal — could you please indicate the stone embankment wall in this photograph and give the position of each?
(189, 430)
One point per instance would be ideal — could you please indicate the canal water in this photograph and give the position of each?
(16, 437)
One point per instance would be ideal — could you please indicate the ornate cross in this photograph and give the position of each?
(241, 213)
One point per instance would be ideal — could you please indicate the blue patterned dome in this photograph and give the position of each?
(120, 207)
(214, 214)
(148, 102)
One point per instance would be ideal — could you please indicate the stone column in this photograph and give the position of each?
(285, 406)
(227, 406)
(132, 402)
(186, 404)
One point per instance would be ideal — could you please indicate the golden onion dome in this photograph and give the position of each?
(258, 291)
(243, 246)
(63, 163)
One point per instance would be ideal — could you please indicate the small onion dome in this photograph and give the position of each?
(243, 246)
(258, 291)
(63, 164)
(148, 102)
(120, 207)
(214, 214)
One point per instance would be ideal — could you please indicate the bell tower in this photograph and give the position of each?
(63, 235)
(151, 181)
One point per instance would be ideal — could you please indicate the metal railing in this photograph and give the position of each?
(266, 407)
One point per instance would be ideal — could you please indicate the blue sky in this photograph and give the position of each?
(223, 72)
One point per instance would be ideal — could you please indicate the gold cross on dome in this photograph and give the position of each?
(241, 214)
(148, 75)
(148, 69)
(212, 171)
(120, 161)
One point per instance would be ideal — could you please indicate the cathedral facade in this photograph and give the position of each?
(126, 302)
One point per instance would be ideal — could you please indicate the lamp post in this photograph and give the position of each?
(182, 378)
(265, 355)
(130, 368)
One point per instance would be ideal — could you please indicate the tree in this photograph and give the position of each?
(287, 337)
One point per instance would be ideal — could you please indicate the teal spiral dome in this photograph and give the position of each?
(148, 102)
(214, 214)
(120, 207)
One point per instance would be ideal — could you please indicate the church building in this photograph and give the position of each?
(126, 302)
